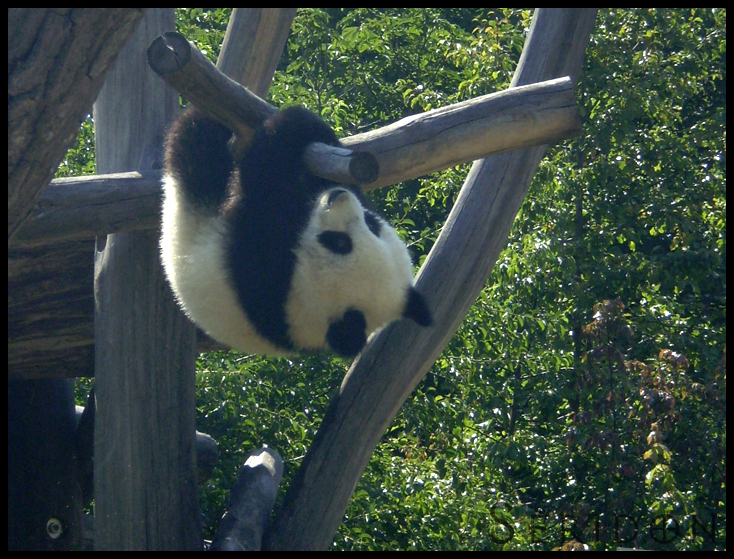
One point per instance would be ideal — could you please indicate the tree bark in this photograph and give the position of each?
(57, 62)
(414, 146)
(253, 46)
(145, 489)
(74, 208)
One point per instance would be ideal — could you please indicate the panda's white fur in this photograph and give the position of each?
(315, 267)
(192, 251)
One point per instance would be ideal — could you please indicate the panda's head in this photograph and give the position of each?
(352, 275)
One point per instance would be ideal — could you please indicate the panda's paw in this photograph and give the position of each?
(416, 309)
(348, 335)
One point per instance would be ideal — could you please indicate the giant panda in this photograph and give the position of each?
(269, 259)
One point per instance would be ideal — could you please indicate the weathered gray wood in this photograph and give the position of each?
(185, 68)
(57, 61)
(82, 207)
(146, 496)
(250, 503)
(188, 71)
(453, 275)
(253, 46)
(459, 133)
(412, 147)
(536, 114)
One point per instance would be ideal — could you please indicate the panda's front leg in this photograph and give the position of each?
(348, 335)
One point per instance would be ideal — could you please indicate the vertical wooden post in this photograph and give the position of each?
(254, 44)
(146, 494)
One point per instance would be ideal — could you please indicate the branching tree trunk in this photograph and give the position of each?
(57, 62)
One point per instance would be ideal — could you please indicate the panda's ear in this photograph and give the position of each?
(416, 309)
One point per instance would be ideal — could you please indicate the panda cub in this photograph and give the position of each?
(267, 258)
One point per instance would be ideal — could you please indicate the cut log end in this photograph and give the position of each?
(363, 167)
(168, 53)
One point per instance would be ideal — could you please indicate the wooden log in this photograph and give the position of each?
(251, 503)
(187, 70)
(519, 117)
(253, 46)
(191, 73)
(456, 270)
(536, 114)
(50, 311)
(145, 491)
(76, 208)
(57, 61)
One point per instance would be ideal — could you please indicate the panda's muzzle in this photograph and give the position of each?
(334, 194)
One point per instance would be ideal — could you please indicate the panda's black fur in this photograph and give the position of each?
(240, 233)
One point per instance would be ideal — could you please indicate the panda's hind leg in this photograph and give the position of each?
(348, 335)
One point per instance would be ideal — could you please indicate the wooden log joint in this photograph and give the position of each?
(186, 69)
(519, 117)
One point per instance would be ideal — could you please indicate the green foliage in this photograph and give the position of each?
(205, 27)
(245, 402)
(585, 392)
(80, 159)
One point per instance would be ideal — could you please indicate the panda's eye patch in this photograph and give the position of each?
(336, 241)
(373, 223)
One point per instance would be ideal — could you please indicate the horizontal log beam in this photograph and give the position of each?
(82, 207)
(516, 118)
(77, 208)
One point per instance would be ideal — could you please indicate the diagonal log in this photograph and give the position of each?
(456, 270)
(189, 71)
(57, 62)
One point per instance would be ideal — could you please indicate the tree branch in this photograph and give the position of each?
(189, 72)
(414, 146)
(77, 208)
(536, 114)
(250, 503)
(512, 119)
(57, 61)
